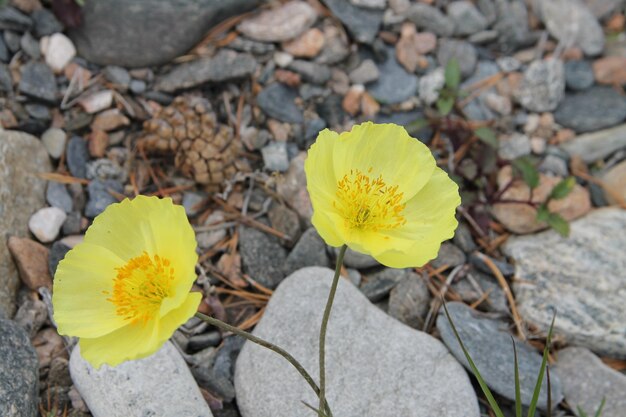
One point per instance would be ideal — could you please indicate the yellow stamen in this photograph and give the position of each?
(140, 287)
(369, 203)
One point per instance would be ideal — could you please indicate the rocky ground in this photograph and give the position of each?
(218, 114)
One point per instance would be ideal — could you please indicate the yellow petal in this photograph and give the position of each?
(82, 284)
(431, 220)
(387, 150)
(136, 341)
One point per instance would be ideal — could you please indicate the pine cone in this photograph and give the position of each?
(204, 149)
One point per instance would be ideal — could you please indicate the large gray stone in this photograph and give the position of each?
(159, 385)
(489, 343)
(22, 193)
(586, 380)
(137, 33)
(376, 366)
(597, 145)
(581, 276)
(593, 109)
(19, 372)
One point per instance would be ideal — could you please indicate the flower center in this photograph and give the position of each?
(140, 287)
(368, 203)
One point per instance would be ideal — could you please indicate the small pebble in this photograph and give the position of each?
(59, 51)
(46, 223)
(58, 196)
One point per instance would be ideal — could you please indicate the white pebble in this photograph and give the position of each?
(58, 50)
(54, 140)
(46, 223)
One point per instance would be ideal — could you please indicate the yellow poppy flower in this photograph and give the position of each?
(125, 289)
(379, 191)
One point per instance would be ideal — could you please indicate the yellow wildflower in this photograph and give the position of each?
(125, 289)
(379, 191)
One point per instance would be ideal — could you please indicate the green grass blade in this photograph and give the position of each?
(581, 412)
(518, 392)
(544, 363)
(319, 413)
(549, 391)
(483, 386)
(599, 412)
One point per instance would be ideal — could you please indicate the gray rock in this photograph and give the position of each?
(30, 45)
(13, 19)
(58, 196)
(309, 251)
(77, 157)
(571, 22)
(137, 86)
(466, 17)
(463, 238)
(224, 66)
(275, 156)
(483, 37)
(204, 340)
(593, 109)
(4, 51)
(597, 145)
(100, 197)
(395, 84)
(430, 85)
(137, 388)
(280, 23)
(512, 25)
(38, 82)
(277, 101)
(504, 267)
(578, 75)
(543, 85)
(331, 110)
(58, 250)
(586, 381)
(430, 19)
(117, 75)
(366, 72)
(54, 139)
(473, 286)
(104, 37)
(105, 169)
(488, 9)
(409, 300)
(45, 23)
(581, 277)
(253, 47)
(38, 111)
(22, 193)
(19, 372)
(555, 165)
(377, 286)
(489, 343)
(285, 220)
(362, 342)
(310, 71)
(72, 224)
(193, 202)
(604, 8)
(357, 260)
(449, 255)
(372, 4)
(514, 146)
(362, 23)
(31, 315)
(463, 52)
(262, 256)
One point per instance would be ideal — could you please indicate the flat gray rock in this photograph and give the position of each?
(376, 366)
(19, 372)
(597, 145)
(586, 380)
(395, 84)
(581, 276)
(489, 343)
(361, 22)
(543, 85)
(593, 109)
(22, 193)
(159, 385)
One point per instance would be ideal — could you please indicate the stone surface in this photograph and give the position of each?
(521, 218)
(38, 82)
(59, 51)
(610, 70)
(466, 17)
(593, 109)
(58, 196)
(597, 145)
(409, 300)
(137, 388)
(362, 23)
(46, 223)
(275, 156)
(307, 45)
(513, 146)
(366, 72)
(309, 251)
(579, 75)
(280, 24)
(22, 192)
(277, 101)
(543, 85)
(262, 256)
(473, 287)
(430, 19)
(45, 22)
(105, 36)
(462, 51)
(224, 66)
(586, 381)
(394, 84)
(489, 344)
(571, 22)
(376, 286)
(100, 197)
(77, 156)
(19, 372)
(449, 255)
(362, 341)
(581, 276)
(31, 259)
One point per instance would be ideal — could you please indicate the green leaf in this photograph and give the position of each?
(543, 213)
(544, 363)
(562, 189)
(488, 136)
(599, 411)
(518, 392)
(529, 173)
(558, 223)
(445, 104)
(483, 385)
(453, 74)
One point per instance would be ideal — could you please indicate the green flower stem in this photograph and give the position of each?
(329, 306)
(227, 327)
